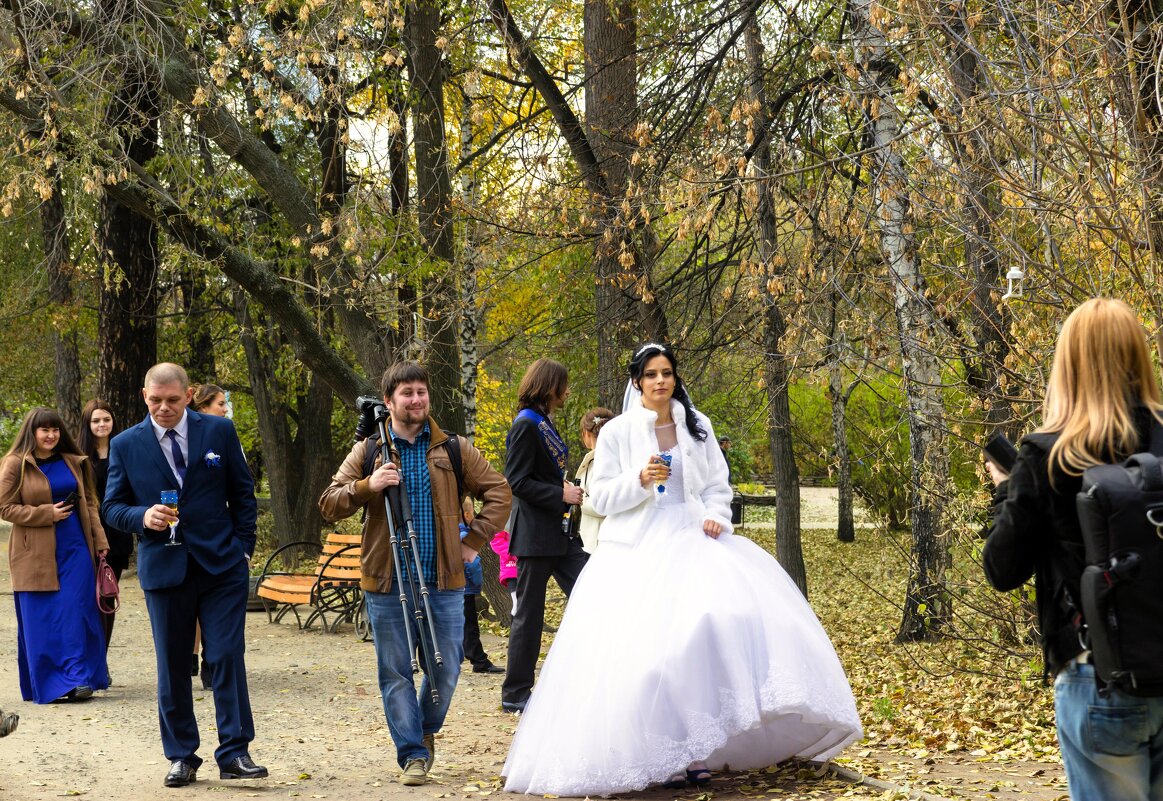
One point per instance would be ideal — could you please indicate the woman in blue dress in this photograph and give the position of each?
(46, 492)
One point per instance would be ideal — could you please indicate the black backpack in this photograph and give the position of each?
(1120, 511)
(451, 445)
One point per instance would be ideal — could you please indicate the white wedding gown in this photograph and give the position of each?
(676, 649)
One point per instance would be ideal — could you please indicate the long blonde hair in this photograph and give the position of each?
(1101, 374)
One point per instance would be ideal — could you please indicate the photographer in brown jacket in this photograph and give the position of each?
(421, 465)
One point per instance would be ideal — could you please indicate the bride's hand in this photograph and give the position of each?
(654, 472)
(712, 528)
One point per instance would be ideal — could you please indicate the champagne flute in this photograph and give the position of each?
(170, 499)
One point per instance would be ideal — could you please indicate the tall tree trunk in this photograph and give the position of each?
(128, 297)
(1135, 52)
(471, 324)
(199, 324)
(627, 310)
(611, 106)
(926, 605)
(59, 265)
(981, 206)
(471, 314)
(434, 190)
(777, 366)
(299, 461)
(841, 458)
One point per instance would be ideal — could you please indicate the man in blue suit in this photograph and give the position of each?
(203, 576)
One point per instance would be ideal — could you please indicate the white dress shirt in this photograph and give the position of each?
(182, 430)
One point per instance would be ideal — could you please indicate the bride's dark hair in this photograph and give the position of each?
(638, 366)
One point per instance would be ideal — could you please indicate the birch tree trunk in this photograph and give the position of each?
(470, 310)
(926, 603)
(777, 366)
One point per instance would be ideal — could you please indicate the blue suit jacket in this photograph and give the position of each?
(216, 507)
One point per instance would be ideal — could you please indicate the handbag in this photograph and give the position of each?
(108, 593)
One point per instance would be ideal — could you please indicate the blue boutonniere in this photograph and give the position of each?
(212, 459)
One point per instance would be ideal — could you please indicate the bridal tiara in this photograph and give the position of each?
(648, 346)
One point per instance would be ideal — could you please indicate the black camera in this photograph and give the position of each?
(1001, 452)
(371, 412)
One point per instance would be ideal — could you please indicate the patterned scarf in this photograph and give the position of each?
(549, 437)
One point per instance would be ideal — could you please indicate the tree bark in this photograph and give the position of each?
(434, 192)
(128, 296)
(611, 108)
(59, 266)
(298, 461)
(981, 204)
(841, 457)
(1134, 50)
(626, 308)
(776, 365)
(926, 604)
(471, 314)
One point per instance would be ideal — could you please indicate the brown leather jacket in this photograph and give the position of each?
(349, 492)
(26, 502)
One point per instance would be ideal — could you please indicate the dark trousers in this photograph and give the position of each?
(533, 574)
(220, 602)
(474, 652)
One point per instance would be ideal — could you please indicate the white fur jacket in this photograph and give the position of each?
(625, 445)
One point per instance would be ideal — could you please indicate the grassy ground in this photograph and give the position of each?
(974, 696)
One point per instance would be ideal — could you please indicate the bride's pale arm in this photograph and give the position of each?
(716, 495)
(614, 487)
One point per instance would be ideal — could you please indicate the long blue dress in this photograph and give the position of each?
(60, 640)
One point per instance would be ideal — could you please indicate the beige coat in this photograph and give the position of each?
(26, 502)
(591, 521)
(349, 493)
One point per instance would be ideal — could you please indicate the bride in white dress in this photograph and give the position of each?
(684, 648)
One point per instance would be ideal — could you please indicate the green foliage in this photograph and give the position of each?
(878, 442)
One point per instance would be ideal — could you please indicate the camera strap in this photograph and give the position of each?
(451, 446)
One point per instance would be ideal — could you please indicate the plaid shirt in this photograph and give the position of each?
(414, 465)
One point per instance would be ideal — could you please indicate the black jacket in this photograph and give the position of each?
(536, 481)
(1035, 532)
(120, 542)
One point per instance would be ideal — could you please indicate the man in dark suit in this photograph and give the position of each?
(535, 467)
(202, 575)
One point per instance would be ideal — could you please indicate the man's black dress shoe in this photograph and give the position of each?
(516, 707)
(242, 767)
(181, 773)
(487, 667)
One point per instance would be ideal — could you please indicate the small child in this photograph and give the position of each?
(474, 650)
(508, 571)
(591, 423)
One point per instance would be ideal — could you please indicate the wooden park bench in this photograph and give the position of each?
(324, 578)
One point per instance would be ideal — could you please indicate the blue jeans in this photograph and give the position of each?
(1112, 747)
(409, 716)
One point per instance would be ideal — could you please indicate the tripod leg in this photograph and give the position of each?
(424, 600)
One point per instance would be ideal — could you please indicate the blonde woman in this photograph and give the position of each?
(591, 423)
(1102, 405)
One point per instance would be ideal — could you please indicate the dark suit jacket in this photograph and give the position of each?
(216, 507)
(536, 482)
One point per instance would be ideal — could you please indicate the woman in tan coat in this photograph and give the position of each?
(46, 492)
